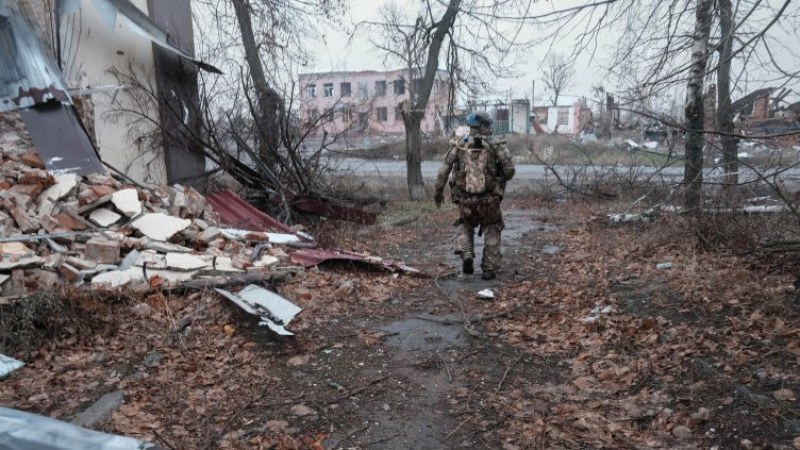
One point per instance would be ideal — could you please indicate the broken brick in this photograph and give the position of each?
(81, 263)
(25, 222)
(102, 250)
(33, 176)
(32, 159)
(30, 190)
(69, 272)
(46, 280)
(67, 221)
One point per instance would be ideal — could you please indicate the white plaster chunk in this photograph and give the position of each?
(166, 247)
(159, 226)
(7, 264)
(127, 202)
(225, 264)
(282, 238)
(104, 217)
(65, 182)
(15, 249)
(152, 259)
(185, 261)
(267, 261)
(118, 278)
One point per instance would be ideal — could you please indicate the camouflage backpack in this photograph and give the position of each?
(478, 165)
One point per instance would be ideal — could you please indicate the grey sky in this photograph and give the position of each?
(337, 52)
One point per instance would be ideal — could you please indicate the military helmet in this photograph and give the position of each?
(479, 119)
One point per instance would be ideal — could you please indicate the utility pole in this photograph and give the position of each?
(533, 92)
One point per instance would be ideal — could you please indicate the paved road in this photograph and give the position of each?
(391, 169)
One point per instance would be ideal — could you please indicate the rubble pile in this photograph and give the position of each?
(59, 229)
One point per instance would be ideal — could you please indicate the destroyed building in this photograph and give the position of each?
(64, 60)
(369, 101)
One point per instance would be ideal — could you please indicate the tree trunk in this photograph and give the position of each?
(693, 170)
(269, 103)
(730, 161)
(416, 185)
(414, 113)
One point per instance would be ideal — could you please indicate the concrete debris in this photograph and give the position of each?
(274, 311)
(8, 365)
(159, 226)
(104, 217)
(185, 261)
(127, 202)
(99, 232)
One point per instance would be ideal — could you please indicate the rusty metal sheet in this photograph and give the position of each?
(61, 140)
(315, 257)
(28, 74)
(238, 213)
(317, 207)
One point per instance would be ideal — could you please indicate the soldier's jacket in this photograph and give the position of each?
(499, 165)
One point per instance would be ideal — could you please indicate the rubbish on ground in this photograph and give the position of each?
(665, 265)
(274, 311)
(486, 294)
(596, 313)
(24, 431)
(8, 365)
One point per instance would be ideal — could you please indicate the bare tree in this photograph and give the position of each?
(476, 41)
(693, 171)
(557, 75)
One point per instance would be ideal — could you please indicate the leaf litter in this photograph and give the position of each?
(702, 355)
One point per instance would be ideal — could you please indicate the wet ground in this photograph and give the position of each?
(427, 377)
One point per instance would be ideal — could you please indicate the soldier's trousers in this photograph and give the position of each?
(465, 244)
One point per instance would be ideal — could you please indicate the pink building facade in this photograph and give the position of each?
(368, 102)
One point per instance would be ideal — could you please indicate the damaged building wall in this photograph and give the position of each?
(107, 44)
(125, 141)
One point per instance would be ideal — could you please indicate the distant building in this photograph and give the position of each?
(510, 116)
(570, 116)
(369, 101)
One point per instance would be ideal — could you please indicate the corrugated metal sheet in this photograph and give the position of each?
(237, 213)
(28, 74)
(314, 257)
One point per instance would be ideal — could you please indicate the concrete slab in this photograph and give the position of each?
(104, 217)
(127, 202)
(160, 226)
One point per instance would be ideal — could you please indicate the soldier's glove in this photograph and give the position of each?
(438, 198)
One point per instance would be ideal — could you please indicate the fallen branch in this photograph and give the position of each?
(360, 390)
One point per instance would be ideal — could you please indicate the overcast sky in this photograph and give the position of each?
(337, 51)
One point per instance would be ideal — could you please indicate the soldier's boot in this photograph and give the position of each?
(467, 263)
(488, 275)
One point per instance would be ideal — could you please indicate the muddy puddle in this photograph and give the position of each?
(414, 334)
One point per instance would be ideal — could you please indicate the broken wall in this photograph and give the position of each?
(90, 49)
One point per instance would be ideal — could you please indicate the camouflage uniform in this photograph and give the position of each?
(481, 210)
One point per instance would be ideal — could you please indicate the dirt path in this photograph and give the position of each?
(587, 345)
(426, 380)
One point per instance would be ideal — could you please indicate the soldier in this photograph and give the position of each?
(480, 169)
